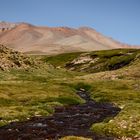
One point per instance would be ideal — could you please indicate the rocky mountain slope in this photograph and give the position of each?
(5, 26)
(55, 40)
(10, 59)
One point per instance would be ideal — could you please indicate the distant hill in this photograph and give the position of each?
(54, 40)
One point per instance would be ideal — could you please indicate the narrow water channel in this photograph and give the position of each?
(71, 120)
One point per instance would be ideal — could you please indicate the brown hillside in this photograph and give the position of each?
(34, 39)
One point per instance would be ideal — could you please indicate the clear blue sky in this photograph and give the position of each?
(119, 19)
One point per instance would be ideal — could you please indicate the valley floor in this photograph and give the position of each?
(37, 92)
(69, 120)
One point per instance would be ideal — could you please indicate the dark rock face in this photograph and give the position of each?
(70, 120)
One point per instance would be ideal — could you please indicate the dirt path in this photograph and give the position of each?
(72, 120)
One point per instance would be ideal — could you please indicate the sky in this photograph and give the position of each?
(119, 19)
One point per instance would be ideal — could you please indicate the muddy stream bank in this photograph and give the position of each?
(70, 120)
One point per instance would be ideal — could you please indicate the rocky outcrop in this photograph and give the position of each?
(4, 26)
(103, 61)
(10, 59)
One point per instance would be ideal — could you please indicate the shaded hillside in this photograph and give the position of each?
(94, 61)
(55, 40)
(10, 59)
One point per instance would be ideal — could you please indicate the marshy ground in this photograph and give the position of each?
(73, 120)
(33, 96)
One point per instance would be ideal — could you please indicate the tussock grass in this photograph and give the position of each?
(28, 93)
(74, 138)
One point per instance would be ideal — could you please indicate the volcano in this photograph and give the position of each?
(32, 39)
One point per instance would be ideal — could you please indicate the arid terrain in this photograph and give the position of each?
(32, 39)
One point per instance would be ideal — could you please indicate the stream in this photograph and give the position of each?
(74, 120)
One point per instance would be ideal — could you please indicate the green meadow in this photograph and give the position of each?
(114, 77)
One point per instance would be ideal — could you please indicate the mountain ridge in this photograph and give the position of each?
(26, 38)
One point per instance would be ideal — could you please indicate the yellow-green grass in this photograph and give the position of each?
(24, 94)
(74, 138)
(28, 93)
(99, 60)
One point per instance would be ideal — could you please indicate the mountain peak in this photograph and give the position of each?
(4, 26)
(55, 40)
(85, 28)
